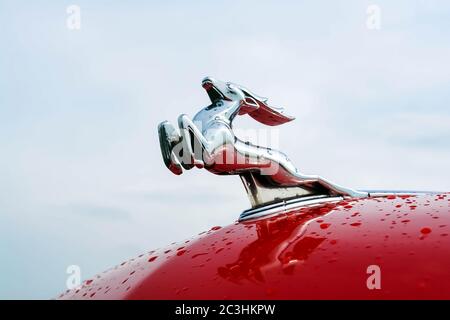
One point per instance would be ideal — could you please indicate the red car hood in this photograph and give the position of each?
(317, 252)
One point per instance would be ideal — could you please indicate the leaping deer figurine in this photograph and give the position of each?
(208, 141)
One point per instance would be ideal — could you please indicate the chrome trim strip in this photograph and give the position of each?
(381, 193)
(285, 206)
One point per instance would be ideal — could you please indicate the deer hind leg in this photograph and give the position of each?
(193, 142)
(294, 176)
(334, 187)
(287, 165)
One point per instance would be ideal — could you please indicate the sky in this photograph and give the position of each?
(81, 176)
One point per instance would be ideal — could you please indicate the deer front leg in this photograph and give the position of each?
(169, 137)
(193, 142)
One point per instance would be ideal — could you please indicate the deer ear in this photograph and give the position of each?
(248, 105)
(251, 102)
(257, 108)
(262, 112)
(269, 115)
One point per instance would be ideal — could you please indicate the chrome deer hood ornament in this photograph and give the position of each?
(207, 141)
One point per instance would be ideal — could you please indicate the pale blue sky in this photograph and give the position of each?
(81, 179)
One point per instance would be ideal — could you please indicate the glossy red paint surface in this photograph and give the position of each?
(320, 252)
